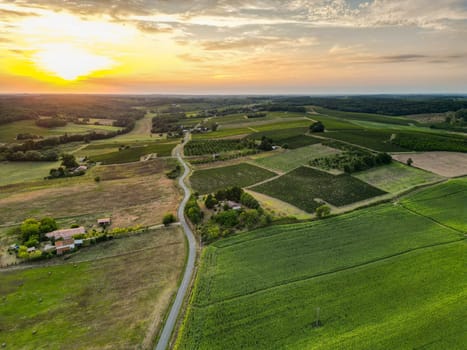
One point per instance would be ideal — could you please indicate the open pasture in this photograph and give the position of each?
(396, 177)
(242, 175)
(291, 159)
(304, 186)
(9, 131)
(448, 164)
(112, 295)
(132, 196)
(445, 203)
(17, 172)
(134, 153)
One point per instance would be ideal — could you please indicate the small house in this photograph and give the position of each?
(66, 233)
(31, 250)
(104, 222)
(64, 245)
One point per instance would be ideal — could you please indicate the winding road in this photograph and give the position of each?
(171, 320)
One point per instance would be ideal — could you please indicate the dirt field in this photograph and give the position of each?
(448, 164)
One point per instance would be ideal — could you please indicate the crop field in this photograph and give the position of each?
(396, 177)
(334, 124)
(112, 295)
(136, 194)
(221, 133)
(243, 174)
(260, 290)
(445, 203)
(293, 137)
(304, 185)
(418, 141)
(379, 118)
(133, 154)
(378, 140)
(9, 131)
(291, 159)
(200, 147)
(16, 172)
(447, 164)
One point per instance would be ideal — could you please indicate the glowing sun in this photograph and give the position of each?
(69, 62)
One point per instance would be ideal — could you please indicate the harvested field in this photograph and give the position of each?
(448, 164)
(120, 193)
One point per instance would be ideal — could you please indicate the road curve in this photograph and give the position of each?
(169, 325)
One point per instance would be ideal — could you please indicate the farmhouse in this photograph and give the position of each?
(104, 221)
(66, 233)
(31, 249)
(64, 245)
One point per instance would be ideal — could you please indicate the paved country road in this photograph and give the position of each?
(190, 265)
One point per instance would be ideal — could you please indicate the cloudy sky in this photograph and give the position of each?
(233, 46)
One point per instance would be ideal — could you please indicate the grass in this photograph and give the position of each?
(137, 193)
(446, 203)
(9, 131)
(260, 290)
(243, 174)
(102, 300)
(304, 185)
(396, 177)
(133, 154)
(294, 158)
(17, 172)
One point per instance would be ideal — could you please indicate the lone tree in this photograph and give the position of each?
(409, 162)
(317, 127)
(168, 219)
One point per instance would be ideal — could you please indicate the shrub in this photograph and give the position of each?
(317, 127)
(323, 211)
(168, 219)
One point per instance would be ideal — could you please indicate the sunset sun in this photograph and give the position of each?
(69, 62)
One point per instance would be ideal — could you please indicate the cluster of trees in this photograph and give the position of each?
(317, 127)
(391, 105)
(256, 115)
(226, 220)
(175, 172)
(50, 122)
(31, 156)
(193, 211)
(32, 231)
(352, 161)
(266, 144)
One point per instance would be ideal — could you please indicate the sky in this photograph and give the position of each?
(233, 46)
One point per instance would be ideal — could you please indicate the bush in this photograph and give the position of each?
(317, 127)
(193, 211)
(210, 201)
(168, 219)
(249, 201)
(323, 211)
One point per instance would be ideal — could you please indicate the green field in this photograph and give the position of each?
(445, 203)
(378, 140)
(200, 147)
(292, 137)
(9, 131)
(303, 185)
(211, 180)
(134, 153)
(396, 177)
(291, 159)
(260, 290)
(92, 301)
(16, 172)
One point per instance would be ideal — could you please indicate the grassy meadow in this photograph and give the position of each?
(112, 295)
(396, 177)
(291, 159)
